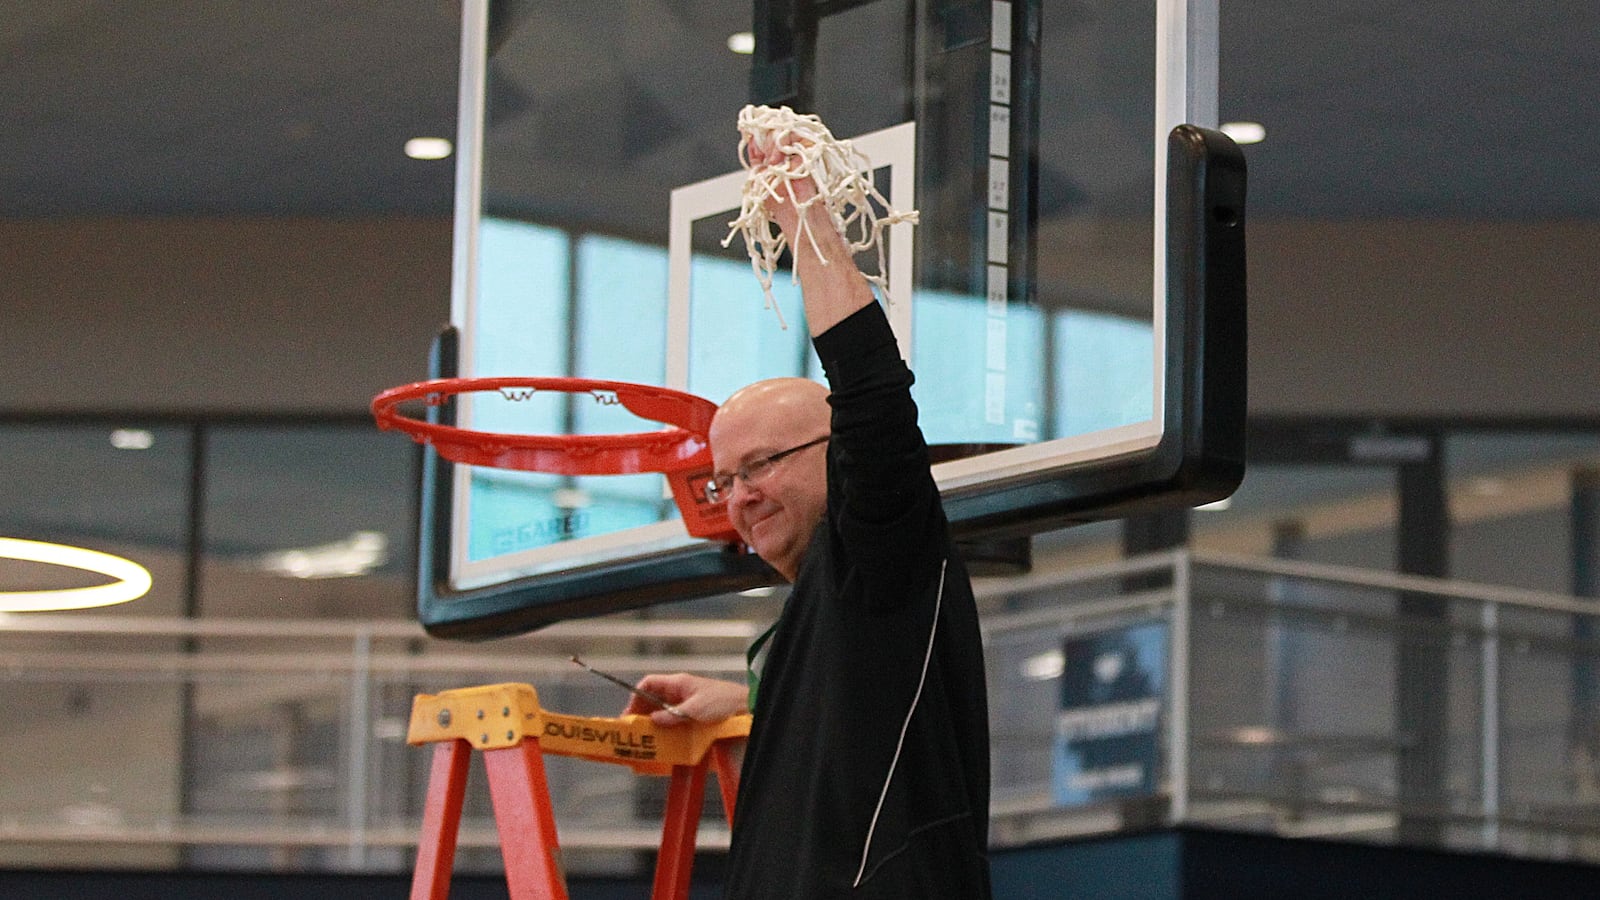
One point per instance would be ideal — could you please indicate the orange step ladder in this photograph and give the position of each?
(505, 722)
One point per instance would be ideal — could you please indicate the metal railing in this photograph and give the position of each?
(1280, 693)
(1289, 694)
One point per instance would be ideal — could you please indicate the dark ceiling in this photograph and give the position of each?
(222, 107)
(1375, 108)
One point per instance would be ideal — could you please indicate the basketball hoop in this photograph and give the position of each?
(681, 451)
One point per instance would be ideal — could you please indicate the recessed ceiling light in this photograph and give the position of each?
(428, 148)
(132, 579)
(132, 439)
(742, 42)
(1245, 132)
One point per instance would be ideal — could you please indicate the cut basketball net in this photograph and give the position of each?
(843, 177)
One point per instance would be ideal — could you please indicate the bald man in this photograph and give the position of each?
(866, 774)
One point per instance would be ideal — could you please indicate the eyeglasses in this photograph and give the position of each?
(720, 487)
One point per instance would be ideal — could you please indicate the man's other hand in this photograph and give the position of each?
(692, 696)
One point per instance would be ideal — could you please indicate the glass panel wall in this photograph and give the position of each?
(1513, 498)
(1525, 512)
(299, 522)
(1338, 514)
(307, 521)
(122, 488)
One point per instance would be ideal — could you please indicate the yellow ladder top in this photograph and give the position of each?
(494, 716)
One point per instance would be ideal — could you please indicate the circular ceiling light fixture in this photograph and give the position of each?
(132, 579)
(742, 43)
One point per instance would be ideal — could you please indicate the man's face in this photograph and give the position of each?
(777, 514)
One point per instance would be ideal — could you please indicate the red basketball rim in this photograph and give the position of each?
(682, 445)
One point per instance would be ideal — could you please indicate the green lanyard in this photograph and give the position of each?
(751, 678)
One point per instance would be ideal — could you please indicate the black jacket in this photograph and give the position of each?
(867, 771)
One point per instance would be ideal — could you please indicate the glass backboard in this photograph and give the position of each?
(1068, 321)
